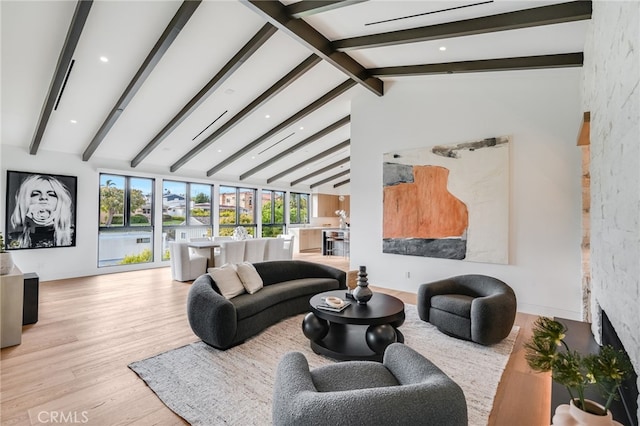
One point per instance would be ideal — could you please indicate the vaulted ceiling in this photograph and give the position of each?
(247, 91)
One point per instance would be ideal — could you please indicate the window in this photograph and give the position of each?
(200, 203)
(272, 213)
(125, 235)
(186, 212)
(237, 209)
(298, 208)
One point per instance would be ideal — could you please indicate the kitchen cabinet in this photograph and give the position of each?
(325, 205)
(345, 204)
(312, 239)
(306, 239)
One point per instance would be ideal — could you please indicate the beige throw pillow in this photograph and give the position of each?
(250, 278)
(227, 280)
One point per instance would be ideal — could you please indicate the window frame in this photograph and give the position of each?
(273, 196)
(252, 228)
(171, 231)
(127, 225)
(296, 197)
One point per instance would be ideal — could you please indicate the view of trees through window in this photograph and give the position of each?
(237, 209)
(298, 208)
(127, 209)
(126, 220)
(272, 213)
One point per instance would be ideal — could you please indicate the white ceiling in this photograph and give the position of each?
(33, 35)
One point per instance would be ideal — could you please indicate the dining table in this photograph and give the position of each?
(203, 246)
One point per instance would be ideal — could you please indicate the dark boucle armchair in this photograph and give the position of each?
(406, 389)
(471, 307)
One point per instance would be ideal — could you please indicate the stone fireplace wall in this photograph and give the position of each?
(586, 234)
(612, 94)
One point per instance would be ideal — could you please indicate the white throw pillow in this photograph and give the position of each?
(227, 280)
(250, 278)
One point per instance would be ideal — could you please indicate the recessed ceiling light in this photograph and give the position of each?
(301, 127)
(267, 116)
(219, 150)
(73, 121)
(229, 91)
(104, 59)
(443, 48)
(253, 157)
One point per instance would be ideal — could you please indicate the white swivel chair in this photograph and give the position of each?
(201, 252)
(230, 252)
(254, 250)
(218, 240)
(280, 248)
(185, 266)
(275, 249)
(288, 246)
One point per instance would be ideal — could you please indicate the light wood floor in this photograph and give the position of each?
(72, 364)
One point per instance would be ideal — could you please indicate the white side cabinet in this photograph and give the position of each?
(11, 301)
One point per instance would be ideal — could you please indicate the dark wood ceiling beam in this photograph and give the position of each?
(280, 156)
(66, 55)
(170, 33)
(564, 60)
(276, 13)
(323, 154)
(303, 9)
(326, 98)
(268, 94)
(214, 84)
(545, 15)
(329, 179)
(344, 182)
(322, 170)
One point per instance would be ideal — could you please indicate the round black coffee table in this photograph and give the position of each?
(359, 332)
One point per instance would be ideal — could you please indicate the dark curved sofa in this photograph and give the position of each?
(288, 286)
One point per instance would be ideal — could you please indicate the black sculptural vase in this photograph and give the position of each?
(362, 293)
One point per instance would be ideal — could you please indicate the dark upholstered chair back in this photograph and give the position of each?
(487, 319)
(271, 272)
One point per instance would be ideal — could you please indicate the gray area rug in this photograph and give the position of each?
(206, 386)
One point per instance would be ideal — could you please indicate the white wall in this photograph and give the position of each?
(82, 260)
(612, 94)
(62, 262)
(541, 111)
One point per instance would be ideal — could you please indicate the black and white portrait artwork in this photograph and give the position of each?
(41, 210)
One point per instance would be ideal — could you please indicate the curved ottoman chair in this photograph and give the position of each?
(470, 307)
(405, 389)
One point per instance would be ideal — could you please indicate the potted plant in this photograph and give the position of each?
(547, 350)
(6, 261)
